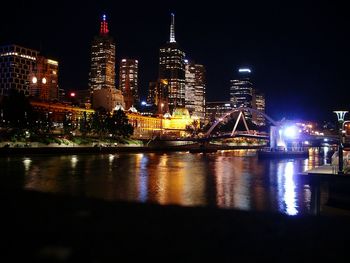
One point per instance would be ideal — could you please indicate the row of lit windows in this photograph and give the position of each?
(17, 54)
(18, 49)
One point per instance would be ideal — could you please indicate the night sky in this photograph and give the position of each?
(298, 50)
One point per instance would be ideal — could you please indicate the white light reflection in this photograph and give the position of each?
(74, 161)
(289, 190)
(143, 177)
(325, 154)
(27, 162)
(111, 158)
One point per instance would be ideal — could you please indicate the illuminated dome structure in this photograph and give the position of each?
(181, 113)
(167, 115)
(133, 109)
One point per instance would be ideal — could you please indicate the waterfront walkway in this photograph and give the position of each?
(38, 227)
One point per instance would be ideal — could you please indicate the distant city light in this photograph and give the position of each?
(104, 17)
(43, 80)
(34, 80)
(244, 70)
(143, 103)
(72, 94)
(186, 60)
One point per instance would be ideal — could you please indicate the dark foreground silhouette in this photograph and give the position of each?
(38, 227)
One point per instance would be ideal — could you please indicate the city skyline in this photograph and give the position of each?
(296, 47)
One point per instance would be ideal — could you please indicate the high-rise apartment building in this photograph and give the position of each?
(102, 72)
(22, 69)
(128, 82)
(172, 69)
(195, 89)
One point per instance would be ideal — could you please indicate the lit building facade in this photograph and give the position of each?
(242, 90)
(22, 69)
(259, 104)
(144, 126)
(172, 69)
(43, 79)
(59, 110)
(102, 72)
(128, 82)
(217, 109)
(16, 63)
(195, 89)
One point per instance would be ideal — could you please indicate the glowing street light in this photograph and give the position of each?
(340, 116)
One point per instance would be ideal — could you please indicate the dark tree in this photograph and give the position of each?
(118, 125)
(16, 111)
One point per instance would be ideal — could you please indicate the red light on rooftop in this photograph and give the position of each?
(72, 94)
(104, 26)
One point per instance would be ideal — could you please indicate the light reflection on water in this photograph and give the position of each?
(228, 179)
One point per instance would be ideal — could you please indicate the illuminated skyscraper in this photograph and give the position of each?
(128, 82)
(172, 69)
(241, 90)
(102, 73)
(195, 89)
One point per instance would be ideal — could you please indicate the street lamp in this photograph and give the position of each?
(340, 115)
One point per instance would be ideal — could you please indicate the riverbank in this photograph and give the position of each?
(5, 151)
(41, 227)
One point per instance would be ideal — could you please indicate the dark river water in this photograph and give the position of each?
(226, 179)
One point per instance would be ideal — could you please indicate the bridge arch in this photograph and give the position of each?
(241, 109)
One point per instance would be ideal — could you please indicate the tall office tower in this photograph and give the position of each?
(242, 91)
(172, 69)
(128, 82)
(102, 72)
(16, 63)
(195, 89)
(43, 79)
(259, 104)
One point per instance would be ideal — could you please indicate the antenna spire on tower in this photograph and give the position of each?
(104, 26)
(172, 29)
